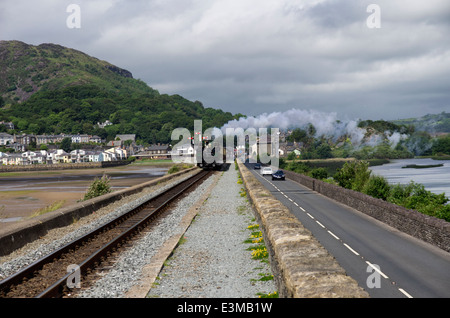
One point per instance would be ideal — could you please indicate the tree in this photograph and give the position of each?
(441, 146)
(34, 128)
(362, 175)
(297, 135)
(324, 151)
(353, 175)
(66, 144)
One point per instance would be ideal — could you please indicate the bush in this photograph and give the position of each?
(173, 169)
(377, 187)
(414, 196)
(298, 167)
(353, 175)
(98, 187)
(319, 173)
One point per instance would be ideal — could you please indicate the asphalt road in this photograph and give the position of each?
(384, 261)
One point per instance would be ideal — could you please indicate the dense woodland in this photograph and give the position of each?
(78, 109)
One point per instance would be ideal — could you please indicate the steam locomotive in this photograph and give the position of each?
(208, 160)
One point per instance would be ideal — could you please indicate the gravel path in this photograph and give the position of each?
(213, 261)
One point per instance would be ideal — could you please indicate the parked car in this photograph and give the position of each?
(266, 170)
(257, 166)
(279, 175)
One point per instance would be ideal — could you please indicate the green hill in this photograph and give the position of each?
(432, 123)
(49, 88)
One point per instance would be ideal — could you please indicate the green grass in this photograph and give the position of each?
(50, 208)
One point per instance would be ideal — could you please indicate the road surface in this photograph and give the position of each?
(384, 261)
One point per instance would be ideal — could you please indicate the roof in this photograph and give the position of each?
(127, 137)
(158, 147)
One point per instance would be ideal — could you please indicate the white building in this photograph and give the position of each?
(118, 153)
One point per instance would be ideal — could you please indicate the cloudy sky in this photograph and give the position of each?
(261, 56)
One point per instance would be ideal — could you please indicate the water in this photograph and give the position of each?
(436, 180)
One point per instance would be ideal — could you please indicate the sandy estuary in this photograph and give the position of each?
(24, 193)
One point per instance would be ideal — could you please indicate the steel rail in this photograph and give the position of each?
(56, 289)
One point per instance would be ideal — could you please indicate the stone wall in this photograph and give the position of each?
(302, 267)
(427, 228)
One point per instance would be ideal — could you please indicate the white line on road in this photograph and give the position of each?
(351, 249)
(375, 268)
(332, 234)
(405, 293)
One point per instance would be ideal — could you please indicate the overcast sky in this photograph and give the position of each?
(261, 56)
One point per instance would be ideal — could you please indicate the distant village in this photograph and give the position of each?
(29, 149)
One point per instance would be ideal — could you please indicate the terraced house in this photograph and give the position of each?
(6, 139)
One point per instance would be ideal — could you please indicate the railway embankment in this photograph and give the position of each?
(31, 229)
(302, 267)
(426, 228)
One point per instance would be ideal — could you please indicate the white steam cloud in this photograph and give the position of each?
(326, 124)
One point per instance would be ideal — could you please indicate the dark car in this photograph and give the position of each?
(279, 175)
(257, 166)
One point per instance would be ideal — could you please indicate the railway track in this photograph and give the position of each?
(48, 277)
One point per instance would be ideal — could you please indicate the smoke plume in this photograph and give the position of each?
(327, 125)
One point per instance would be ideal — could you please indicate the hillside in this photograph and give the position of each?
(49, 89)
(431, 123)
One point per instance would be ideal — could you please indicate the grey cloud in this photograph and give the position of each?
(253, 56)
